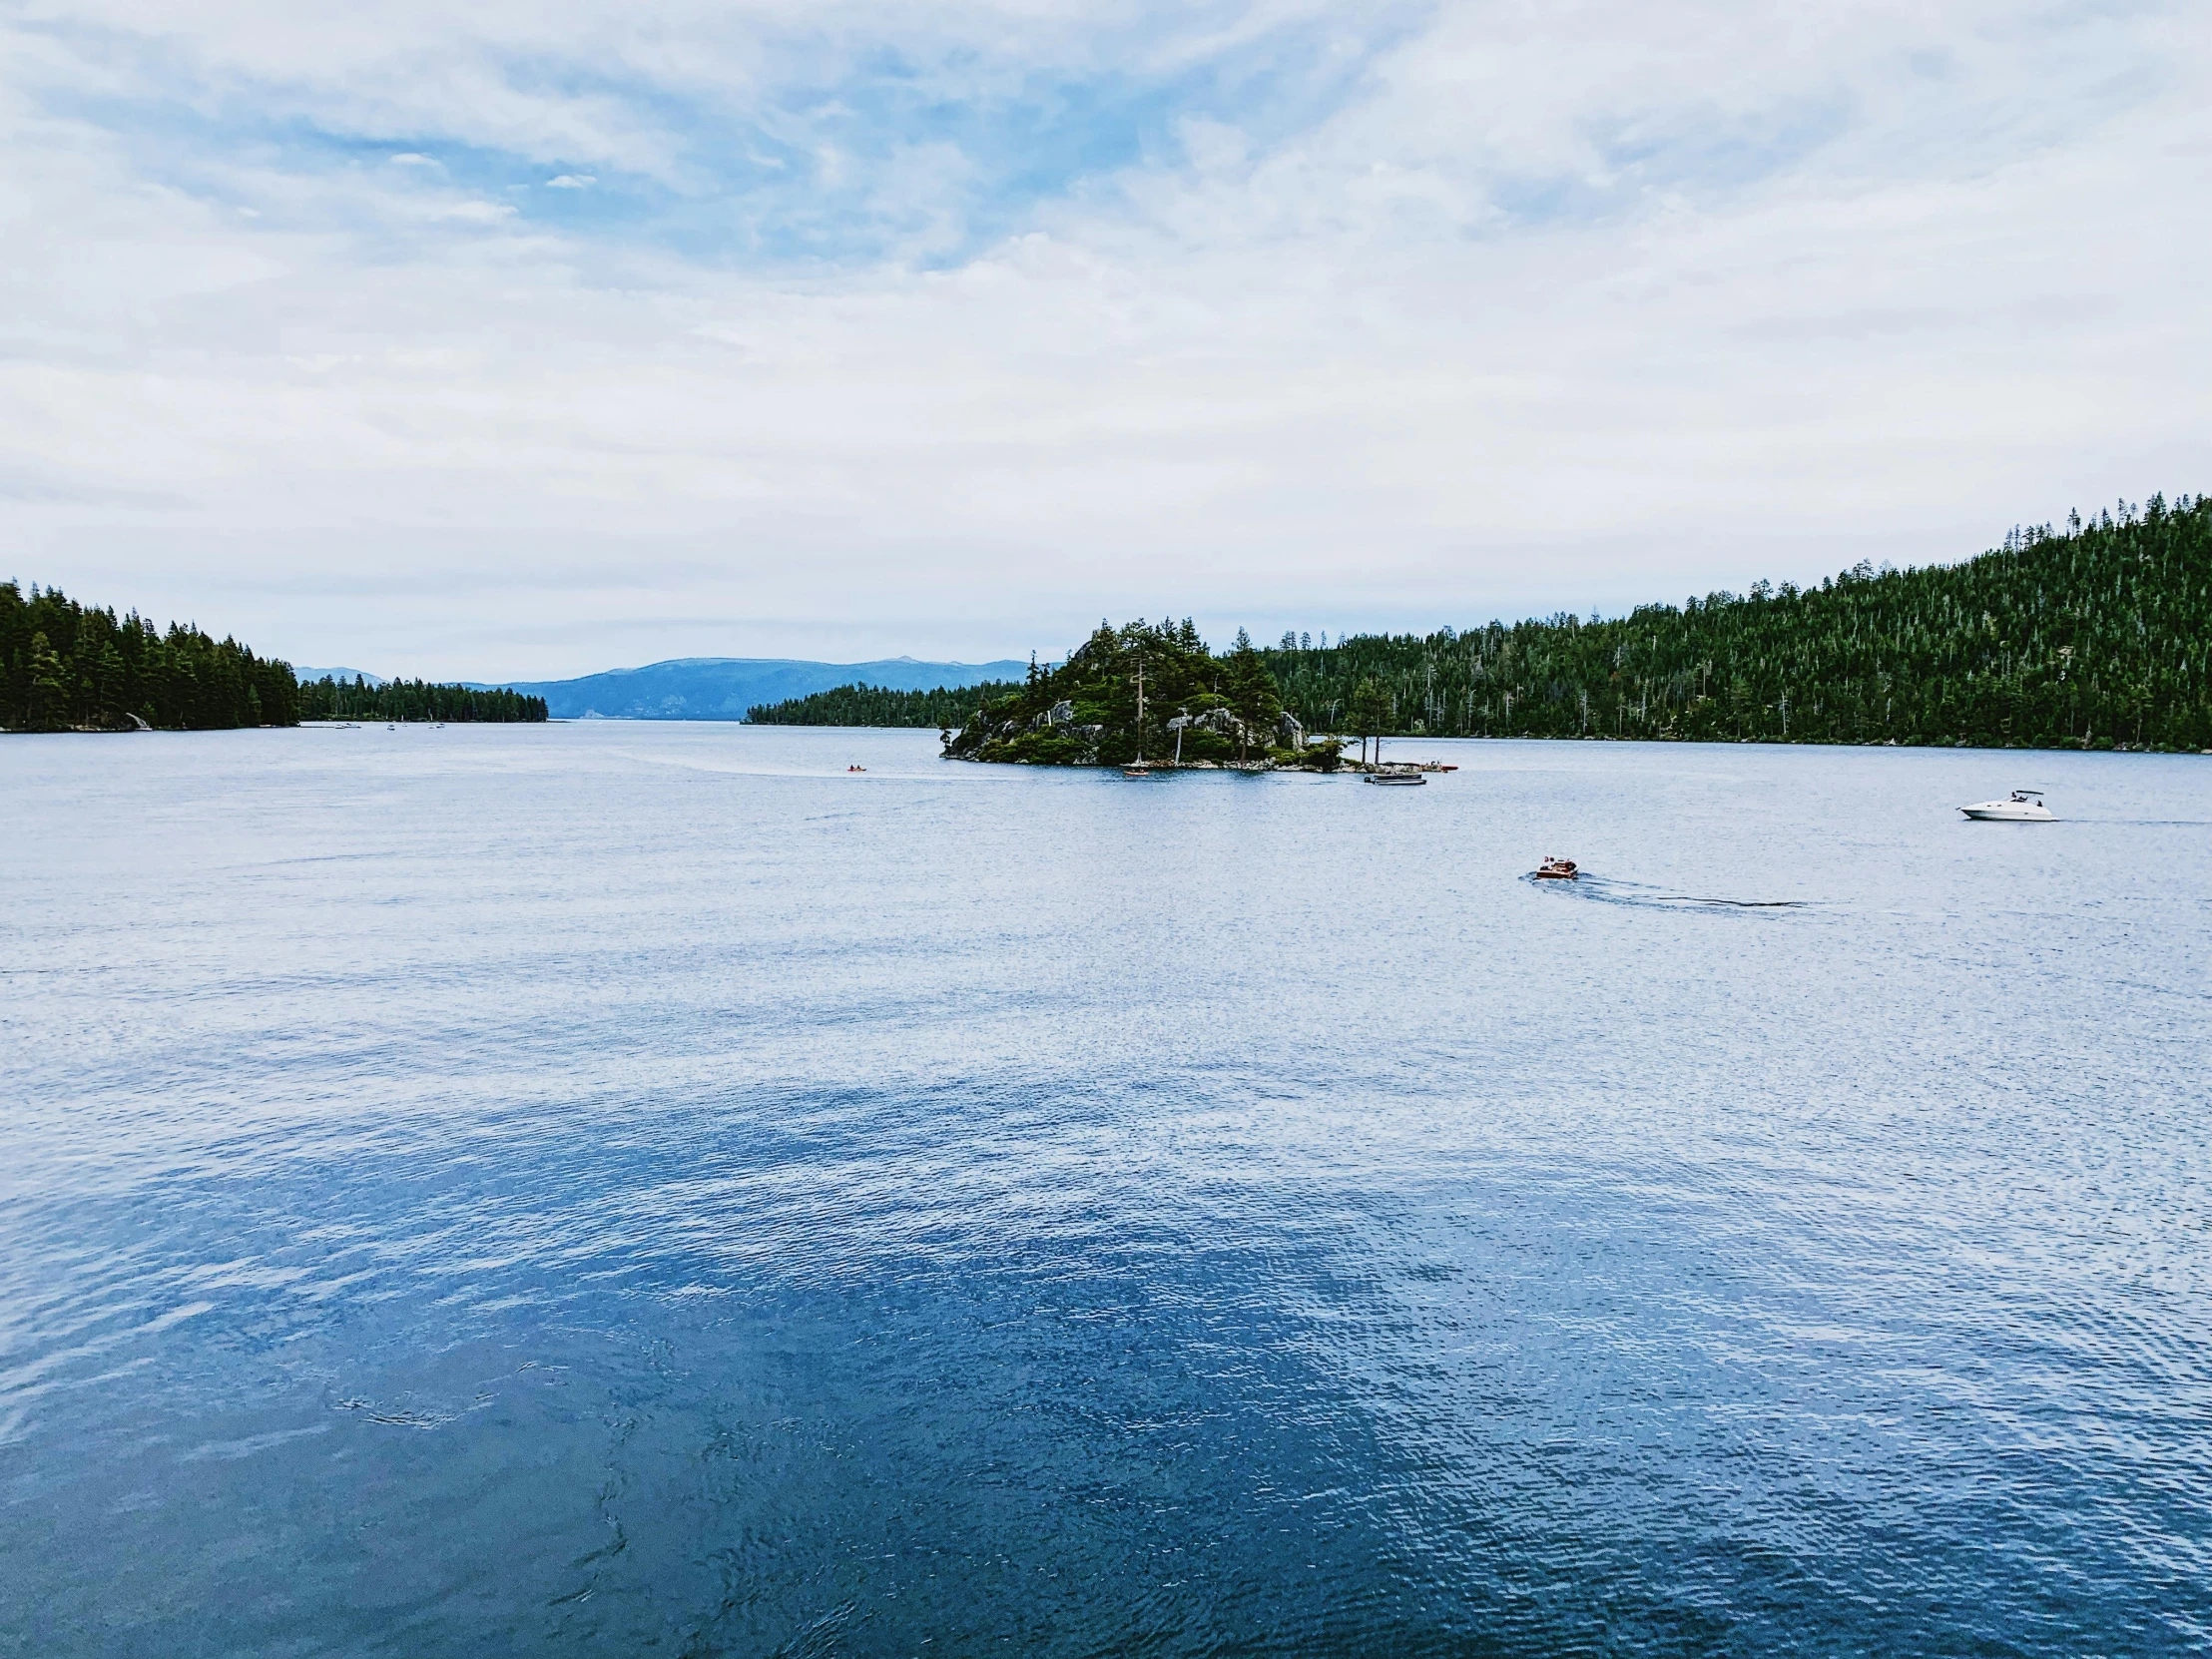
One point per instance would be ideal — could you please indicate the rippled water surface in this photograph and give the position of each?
(619, 1188)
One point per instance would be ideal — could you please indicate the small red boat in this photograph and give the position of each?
(1556, 870)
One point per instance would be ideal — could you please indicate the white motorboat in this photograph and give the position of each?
(2020, 807)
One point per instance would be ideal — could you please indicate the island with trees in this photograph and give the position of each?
(1141, 692)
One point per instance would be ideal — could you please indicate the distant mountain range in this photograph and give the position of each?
(307, 676)
(722, 687)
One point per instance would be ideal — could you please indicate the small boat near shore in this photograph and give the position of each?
(1555, 870)
(1395, 774)
(2020, 807)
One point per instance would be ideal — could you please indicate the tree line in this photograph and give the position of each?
(2097, 635)
(64, 665)
(865, 705)
(71, 667)
(329, 698)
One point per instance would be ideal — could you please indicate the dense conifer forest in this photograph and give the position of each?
(71, 667)
(2096, 634)
(329, 698)
(865, 705)
(64, 665)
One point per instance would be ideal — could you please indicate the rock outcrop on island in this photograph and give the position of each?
(1146, 692)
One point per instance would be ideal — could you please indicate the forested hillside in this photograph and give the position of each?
(329, 698)
(2096, 634)
(65, 665)
(865, 705)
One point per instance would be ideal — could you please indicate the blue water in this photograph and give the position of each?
(619, 1188)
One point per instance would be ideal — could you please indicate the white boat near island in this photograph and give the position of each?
(2020, 807)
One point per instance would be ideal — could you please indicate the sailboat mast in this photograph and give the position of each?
(1140, 708)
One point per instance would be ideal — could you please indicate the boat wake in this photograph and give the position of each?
(1603, 889)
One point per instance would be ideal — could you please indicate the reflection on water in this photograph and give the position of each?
(628, 1189)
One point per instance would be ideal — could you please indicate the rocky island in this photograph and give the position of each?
(1149, 692)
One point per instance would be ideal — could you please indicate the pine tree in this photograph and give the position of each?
(1252, 693)
(1371, 712)
(49, 685)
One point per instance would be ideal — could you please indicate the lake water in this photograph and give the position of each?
(628, 1189)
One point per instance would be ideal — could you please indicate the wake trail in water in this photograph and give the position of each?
(1605, 889)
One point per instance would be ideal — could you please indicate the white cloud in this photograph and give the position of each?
(571, 180)
(471, 212)
(1420, 321)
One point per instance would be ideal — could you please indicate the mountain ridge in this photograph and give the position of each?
(725, 687)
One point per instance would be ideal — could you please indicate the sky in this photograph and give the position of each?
(524, 339)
